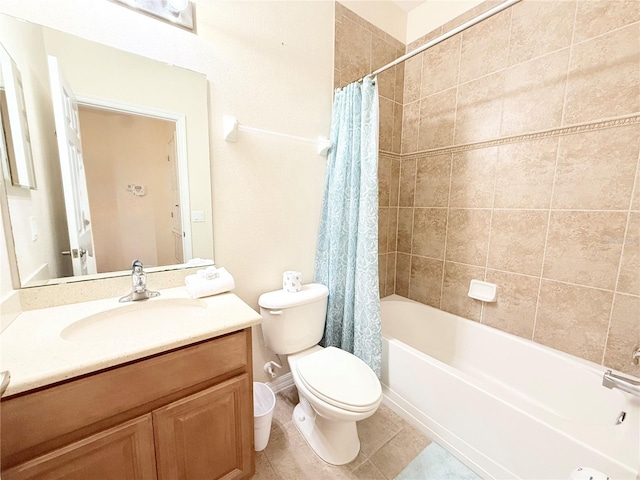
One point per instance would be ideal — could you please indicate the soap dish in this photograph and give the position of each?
(483, 291)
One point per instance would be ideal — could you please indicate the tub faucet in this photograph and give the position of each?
(139, 281)
(626, 384)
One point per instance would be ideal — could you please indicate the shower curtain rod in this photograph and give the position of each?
(443, 37)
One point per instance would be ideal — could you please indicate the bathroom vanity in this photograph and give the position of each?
(182, 409)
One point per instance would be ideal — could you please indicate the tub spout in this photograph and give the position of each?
(611, 380)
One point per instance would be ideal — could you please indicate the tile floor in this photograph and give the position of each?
(388, 445)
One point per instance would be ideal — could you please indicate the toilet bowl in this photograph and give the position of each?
(336, 388)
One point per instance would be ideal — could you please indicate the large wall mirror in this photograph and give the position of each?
(120, 150)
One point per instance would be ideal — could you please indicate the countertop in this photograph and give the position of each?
(32, 348)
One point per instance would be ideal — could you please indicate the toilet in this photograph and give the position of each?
(336, 388)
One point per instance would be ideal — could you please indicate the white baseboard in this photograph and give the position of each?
(281, 383)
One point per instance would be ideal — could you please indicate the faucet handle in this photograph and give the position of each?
(136, 266)
(635, 357)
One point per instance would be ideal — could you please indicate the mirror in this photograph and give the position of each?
(139, 170)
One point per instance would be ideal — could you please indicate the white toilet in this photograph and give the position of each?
(336, 388)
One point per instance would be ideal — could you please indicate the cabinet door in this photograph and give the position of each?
(124, 452)
(208, 435)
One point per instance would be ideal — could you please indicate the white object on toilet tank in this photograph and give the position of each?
(293, 322)
(292, 281)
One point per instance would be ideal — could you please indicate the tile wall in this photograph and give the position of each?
(519, 165)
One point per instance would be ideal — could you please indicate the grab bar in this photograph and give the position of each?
(611, 380)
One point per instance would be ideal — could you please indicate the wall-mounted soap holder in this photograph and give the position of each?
(483, 291)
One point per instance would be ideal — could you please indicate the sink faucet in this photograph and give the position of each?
(139, 281)
(635, 358)
(611, 380)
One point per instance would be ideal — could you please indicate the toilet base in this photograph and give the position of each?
(335, 442)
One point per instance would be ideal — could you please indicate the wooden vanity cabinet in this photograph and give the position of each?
(185, 414)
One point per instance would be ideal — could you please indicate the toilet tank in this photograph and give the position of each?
(293, 321)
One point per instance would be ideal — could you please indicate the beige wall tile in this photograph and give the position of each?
(534, 94)
(383, 229)
(382, 52)
(603, 77)
(524, 174)
(596, 17)
(382, 275)
(483, 47)
(473, 175)
(384, 179)
(407, 182)
(517, 240)
(456, 287)
(391, 274)
(440, 66)
(624, 334)
(355, 44)
(580, 310)
(429, 232)
(412, 78)
(387, 84)
(584, 247)
(399, 80)
(396, 146)
(538, 28)
(394, 186)
(426, 281)
(385, 137)
(437, 120)
(392, 239)
(405, 229)
(468, 236)
(596, 169)
(403, 272)
(410, 127)
(469, 14)
(629, 279)
(515, 309)
(479, 109)
(433, 178)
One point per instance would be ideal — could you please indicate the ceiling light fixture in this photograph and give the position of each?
(176, 12)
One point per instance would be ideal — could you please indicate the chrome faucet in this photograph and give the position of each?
(626, 384)
(139, 281)
(635, 358)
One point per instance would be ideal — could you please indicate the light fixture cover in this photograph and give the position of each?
(176, 12)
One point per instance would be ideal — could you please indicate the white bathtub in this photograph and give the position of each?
(505, 406)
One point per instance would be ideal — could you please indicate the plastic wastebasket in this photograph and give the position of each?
(264, 402)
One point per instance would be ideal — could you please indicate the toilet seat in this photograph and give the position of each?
(340, 379)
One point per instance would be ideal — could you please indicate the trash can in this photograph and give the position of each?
(264, 401)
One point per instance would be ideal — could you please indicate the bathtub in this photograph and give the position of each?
(504, 406)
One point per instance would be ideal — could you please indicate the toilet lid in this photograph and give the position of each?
(340, 379)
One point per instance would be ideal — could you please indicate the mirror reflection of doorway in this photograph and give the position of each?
(132, 180)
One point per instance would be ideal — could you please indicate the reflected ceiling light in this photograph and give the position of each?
(176, 12)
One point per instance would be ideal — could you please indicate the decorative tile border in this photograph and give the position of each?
(554, 132)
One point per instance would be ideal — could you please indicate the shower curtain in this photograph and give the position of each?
(347, 255)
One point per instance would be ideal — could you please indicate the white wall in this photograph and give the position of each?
(433, 13)
(269, 63)
(385, 15)
(38, 259)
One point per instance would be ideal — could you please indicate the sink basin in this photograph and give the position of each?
(137, 319)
